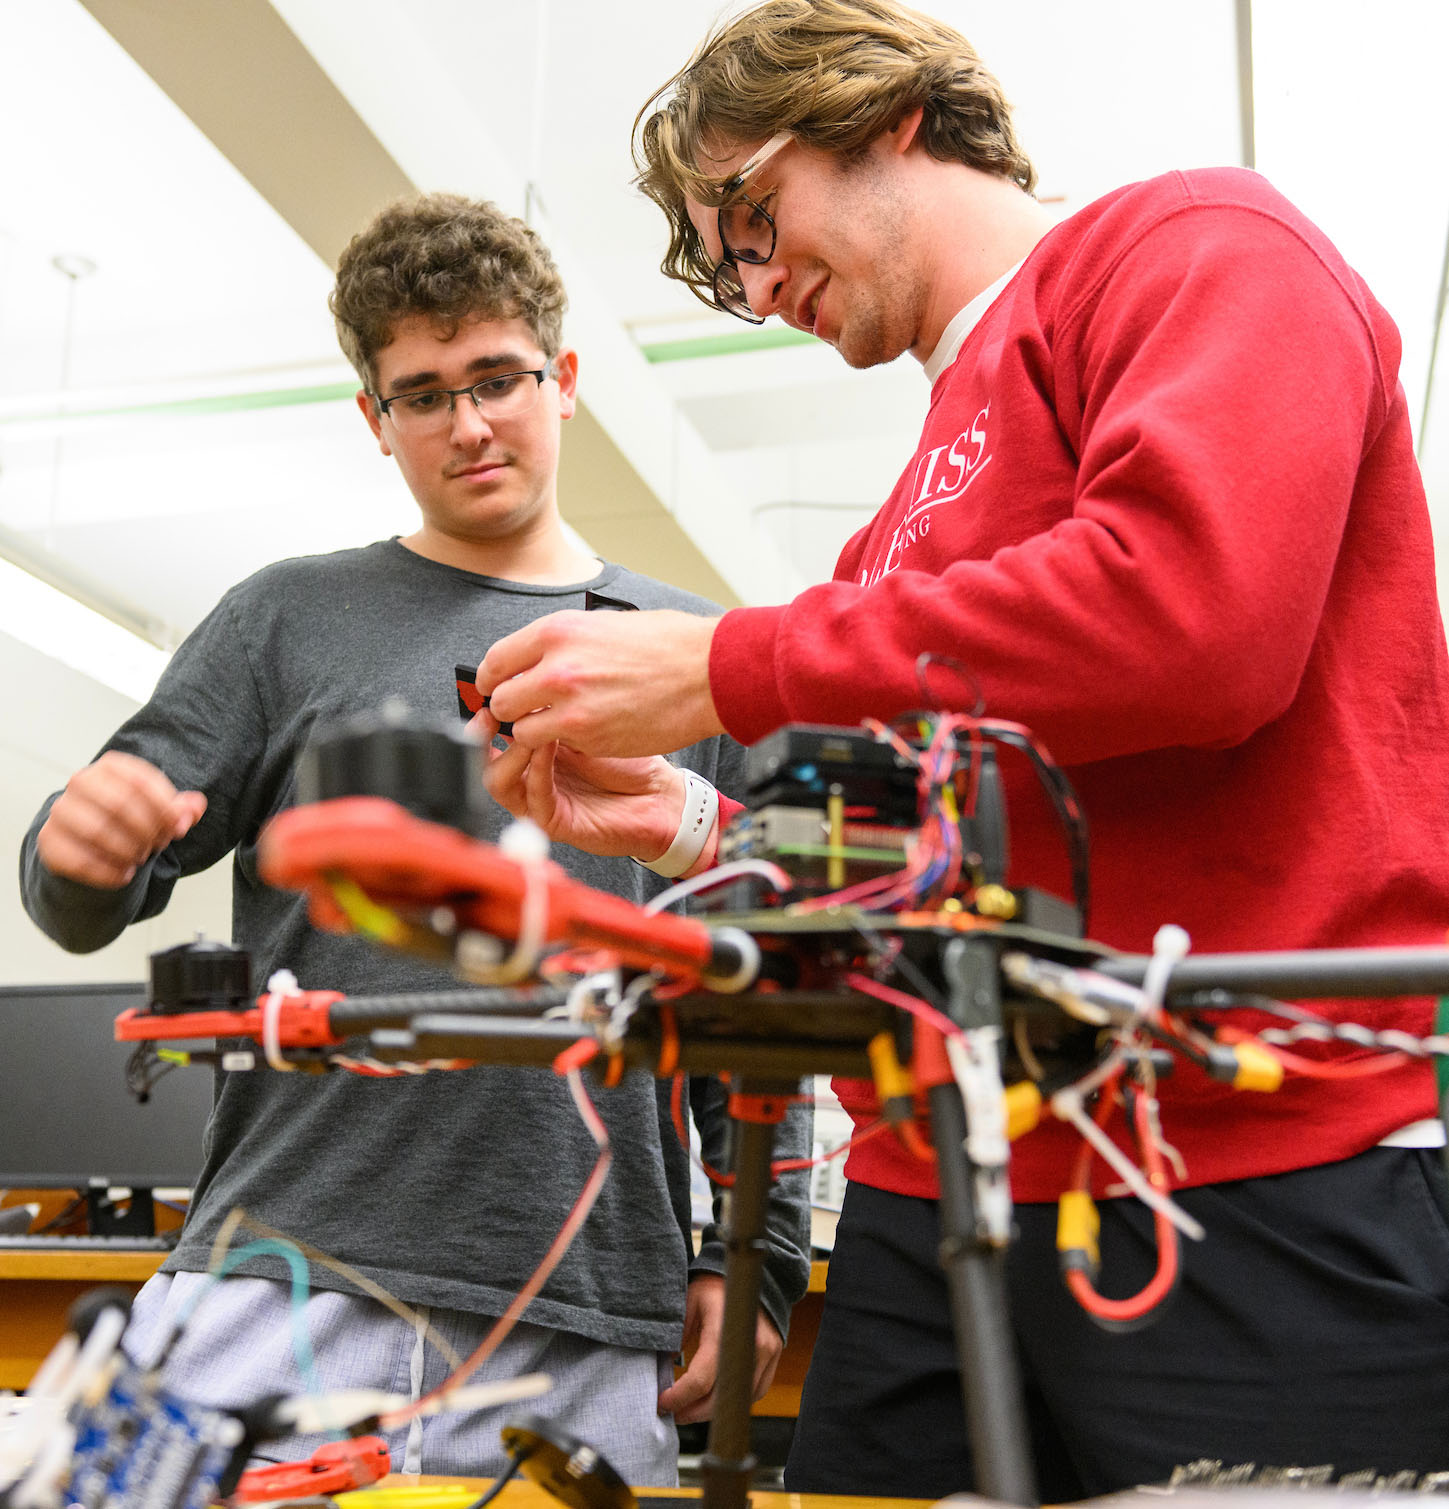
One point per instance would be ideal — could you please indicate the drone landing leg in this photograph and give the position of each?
(974, 1258)
(727, 1465)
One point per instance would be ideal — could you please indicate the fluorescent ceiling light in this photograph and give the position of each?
(46, 619)
(27, 415)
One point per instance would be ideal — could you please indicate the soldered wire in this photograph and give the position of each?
(1067, 1105)
(898, 998)
(907, 1131)
(935, 861)
(1168, 1217)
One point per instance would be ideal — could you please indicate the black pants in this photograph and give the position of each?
(1309, 1330)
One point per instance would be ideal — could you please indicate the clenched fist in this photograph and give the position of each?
(111, 818)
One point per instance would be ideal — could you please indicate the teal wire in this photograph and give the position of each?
(301, 1291)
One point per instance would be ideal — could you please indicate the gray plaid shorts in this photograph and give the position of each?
(237, 1348)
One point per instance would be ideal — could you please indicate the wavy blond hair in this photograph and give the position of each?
(449, 259)
(836, 74)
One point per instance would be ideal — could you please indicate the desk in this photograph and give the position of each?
(522, 1494)
(37, 1288)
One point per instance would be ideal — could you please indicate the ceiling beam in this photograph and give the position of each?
(1434, 345)
(237, 71)
(1247, 126)
(314, 104)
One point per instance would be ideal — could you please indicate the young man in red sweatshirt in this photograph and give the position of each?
(1164, 509)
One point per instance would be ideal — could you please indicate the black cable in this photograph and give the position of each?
(1068, 811)
(905, 964)
(1228, 1000)
(145, 1069)
(63, 1216)
(498, 1485)
(1177, 1044)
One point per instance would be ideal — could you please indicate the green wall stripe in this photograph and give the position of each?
(733, 344)
(219, 403)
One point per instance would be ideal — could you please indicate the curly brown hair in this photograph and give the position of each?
(836, 74)
(448, 258)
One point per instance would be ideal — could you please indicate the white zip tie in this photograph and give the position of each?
(972, 1055)
(282, 984)
(583, 992)
(526, 843)
(622, 1010)
(1170, 944)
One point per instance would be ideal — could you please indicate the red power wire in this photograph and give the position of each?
(1319, 1068)
(783, 1165)
(1115, 1313)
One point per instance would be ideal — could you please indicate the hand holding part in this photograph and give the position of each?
(605, 683)
(601, 805)
(111, 818)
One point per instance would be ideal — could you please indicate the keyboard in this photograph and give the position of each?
(35, 1241)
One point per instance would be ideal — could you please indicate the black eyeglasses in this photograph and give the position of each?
(501, 396)
(746, 234)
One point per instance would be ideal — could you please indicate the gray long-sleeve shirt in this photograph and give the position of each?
(445, 1188)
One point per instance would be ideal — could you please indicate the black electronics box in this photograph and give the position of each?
(799, 765)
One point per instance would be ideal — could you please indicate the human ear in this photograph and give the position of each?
(368, 404)
(906, 129)
(566, 371)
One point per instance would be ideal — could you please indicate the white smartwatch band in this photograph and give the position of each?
(696, 822)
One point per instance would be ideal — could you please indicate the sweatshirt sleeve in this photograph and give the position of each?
(204, 728)
(1220, 384)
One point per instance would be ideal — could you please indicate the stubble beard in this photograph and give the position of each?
(878, 325)
(881, 319)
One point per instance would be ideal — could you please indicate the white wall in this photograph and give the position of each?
(52, 721)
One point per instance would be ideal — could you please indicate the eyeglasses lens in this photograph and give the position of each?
(499, 397)
(747, 231)
(729, 294)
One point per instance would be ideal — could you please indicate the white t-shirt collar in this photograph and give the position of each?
(953, 337)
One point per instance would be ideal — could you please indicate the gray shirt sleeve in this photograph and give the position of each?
(204, 729)
(786, 1272)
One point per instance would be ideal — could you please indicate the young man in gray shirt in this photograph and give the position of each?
(445, 1189)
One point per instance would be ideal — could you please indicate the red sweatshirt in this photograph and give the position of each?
(1165, 507)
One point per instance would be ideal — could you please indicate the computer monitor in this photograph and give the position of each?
(67, 1119)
